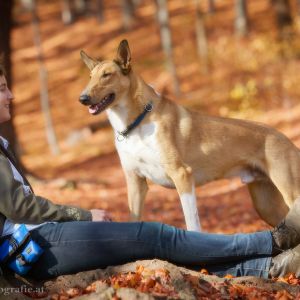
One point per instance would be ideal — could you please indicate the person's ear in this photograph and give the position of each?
(123, 57)
(89, 62)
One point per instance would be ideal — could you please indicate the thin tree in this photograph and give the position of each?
(241, 18)
(201, 37)
(211, 6)
(82, 6)
(128, 10)
(136, 3)
(100, 10)
(67, 12)
(283, 16)
(7, 129)
(44, 96)
(166, 41)
(71, 9)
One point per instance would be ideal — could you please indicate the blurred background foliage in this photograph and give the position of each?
(234, 58)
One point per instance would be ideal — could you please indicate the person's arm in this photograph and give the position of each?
(32, 209)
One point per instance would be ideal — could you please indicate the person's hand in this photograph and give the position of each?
(100, 215)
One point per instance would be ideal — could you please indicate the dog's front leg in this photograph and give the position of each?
(184, 182)
(137, 188)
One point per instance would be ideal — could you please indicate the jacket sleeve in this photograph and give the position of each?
(32, 209)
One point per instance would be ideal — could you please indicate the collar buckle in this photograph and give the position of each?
(121, 137)
(149, 107)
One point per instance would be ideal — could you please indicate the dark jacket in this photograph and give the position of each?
(30, 209)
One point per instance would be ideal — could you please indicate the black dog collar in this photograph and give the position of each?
(124, 134)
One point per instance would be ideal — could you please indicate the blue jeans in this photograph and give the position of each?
(72, 247)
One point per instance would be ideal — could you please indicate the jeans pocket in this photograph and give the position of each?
(47, 234)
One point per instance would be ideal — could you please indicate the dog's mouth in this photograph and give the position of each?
(95, 109)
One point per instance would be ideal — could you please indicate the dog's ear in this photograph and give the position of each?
(124, 57)
(90, 62)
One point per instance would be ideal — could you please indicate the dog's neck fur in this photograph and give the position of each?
(132, 103)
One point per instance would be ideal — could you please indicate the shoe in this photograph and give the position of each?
(285, 263)
(286, 234)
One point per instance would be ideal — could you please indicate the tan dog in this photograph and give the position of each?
(178, 148)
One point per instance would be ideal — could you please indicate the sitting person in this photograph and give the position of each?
(74, 239)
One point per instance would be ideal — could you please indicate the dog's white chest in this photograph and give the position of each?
(140, 153)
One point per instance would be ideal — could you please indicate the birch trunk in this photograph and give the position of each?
(166, 41)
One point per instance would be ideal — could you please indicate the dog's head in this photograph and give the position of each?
(109, 80)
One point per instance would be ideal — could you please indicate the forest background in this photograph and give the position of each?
(232, 58)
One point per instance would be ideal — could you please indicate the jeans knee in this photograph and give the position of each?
(150, 231)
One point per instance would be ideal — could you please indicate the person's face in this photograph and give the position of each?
(5, 100)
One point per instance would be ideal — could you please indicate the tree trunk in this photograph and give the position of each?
(82, 6)
(7, 129)
(136, 3)
(241, 18)
(100, 10)
(128, 9)
(201, 38)
(283, 15)
(51, 137)
(67, 13)
(166, 41)
(298, 7)
(211, 6)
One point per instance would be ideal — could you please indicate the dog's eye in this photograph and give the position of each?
(105, 75)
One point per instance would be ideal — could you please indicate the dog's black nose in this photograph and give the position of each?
(84, 99)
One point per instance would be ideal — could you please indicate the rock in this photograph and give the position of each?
(174, 282)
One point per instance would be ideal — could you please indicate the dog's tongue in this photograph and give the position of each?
(93, 109)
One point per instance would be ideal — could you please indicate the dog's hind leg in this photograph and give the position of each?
(268, 201)
(137, 189)
(283, 161)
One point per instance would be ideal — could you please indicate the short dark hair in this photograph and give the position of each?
(2, 69)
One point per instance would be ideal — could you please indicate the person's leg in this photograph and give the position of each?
(188, 247)
(259, 267)
(77, 246)
(237, 254)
